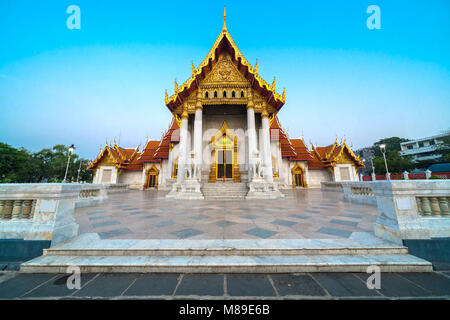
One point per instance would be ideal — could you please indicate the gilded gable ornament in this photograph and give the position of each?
(224, 71)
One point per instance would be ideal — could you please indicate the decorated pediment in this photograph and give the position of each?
(224, 72)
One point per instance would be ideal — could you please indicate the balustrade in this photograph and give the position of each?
(17, 209)
(433, 206)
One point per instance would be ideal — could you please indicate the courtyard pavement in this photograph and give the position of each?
(173, 286)
(302, 214)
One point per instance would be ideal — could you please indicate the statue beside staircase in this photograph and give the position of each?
(259, 188)
(189, 187)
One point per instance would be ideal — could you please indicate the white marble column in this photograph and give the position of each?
(266, 153)
(183, 146)
(251, 132)
(170, 162)
(198, 122)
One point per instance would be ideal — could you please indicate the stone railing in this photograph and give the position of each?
(412, 209)
(362, 191)
(38, 211)
(117, 187)
(20, 209)
(433, 206)
(354, 191)
(91, 195)
(45, 211)
(331, 186)
(359, 192)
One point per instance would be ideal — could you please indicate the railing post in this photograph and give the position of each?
(7, 211)
(428, 174)
(443, 203)
(426, 209)
(2, 206)
(374, 177)
(17, 209)
(406, 175)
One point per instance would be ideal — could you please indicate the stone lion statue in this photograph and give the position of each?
(256, 166)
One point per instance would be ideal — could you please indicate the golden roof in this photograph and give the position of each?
(238, 58)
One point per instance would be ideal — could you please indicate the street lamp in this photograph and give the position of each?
(71, 149)
(79, 169)
(383, 150)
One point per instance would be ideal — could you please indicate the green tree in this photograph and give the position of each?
(396, 163)
(47, 165)
(14, 164)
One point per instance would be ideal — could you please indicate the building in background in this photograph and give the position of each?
(424, 148)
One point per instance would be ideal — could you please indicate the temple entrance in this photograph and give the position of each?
(298, 177)
(224, 164)
(224, 145)
(152, 178)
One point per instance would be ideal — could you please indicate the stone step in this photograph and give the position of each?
(91, 244)
(228, 264)
(354, 254)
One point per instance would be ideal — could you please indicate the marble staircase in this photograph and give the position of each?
(92, 254)
(228, 190)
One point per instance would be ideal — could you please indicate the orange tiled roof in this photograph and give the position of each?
(277, 134)
(171, 135)
(324, 157)
(302, 152)
(149, 152)
(122, 158)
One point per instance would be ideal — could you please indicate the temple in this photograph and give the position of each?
(225, 129)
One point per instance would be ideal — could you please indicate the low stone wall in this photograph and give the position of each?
(116, 187)
(354, 191)
(331, 186)
(91, 195)
(45, 211)
(359, 192)
(412, 209)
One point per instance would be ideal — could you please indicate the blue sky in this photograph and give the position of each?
(108, 79)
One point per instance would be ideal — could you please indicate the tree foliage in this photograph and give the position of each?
(396, 163)
(47, 165)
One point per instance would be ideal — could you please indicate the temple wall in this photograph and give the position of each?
(284, 173)
(316, 176)
(105, 174)
(345, 172)
(133, 178)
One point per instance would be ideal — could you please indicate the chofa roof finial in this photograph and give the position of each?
(224, 19)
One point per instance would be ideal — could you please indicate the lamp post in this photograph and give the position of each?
(383, 150)
(71, 149)
(79, 169)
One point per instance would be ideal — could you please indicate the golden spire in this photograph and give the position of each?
(224, 19)
(256, 66)
(274, 82)
(192, 67)
(176, 85)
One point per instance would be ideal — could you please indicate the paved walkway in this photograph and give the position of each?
(435, 285)
(302, 214)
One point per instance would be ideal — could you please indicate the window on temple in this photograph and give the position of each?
(215, 94)
(233, 94)
(224, 94)
(206, 94)
(242, 94)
